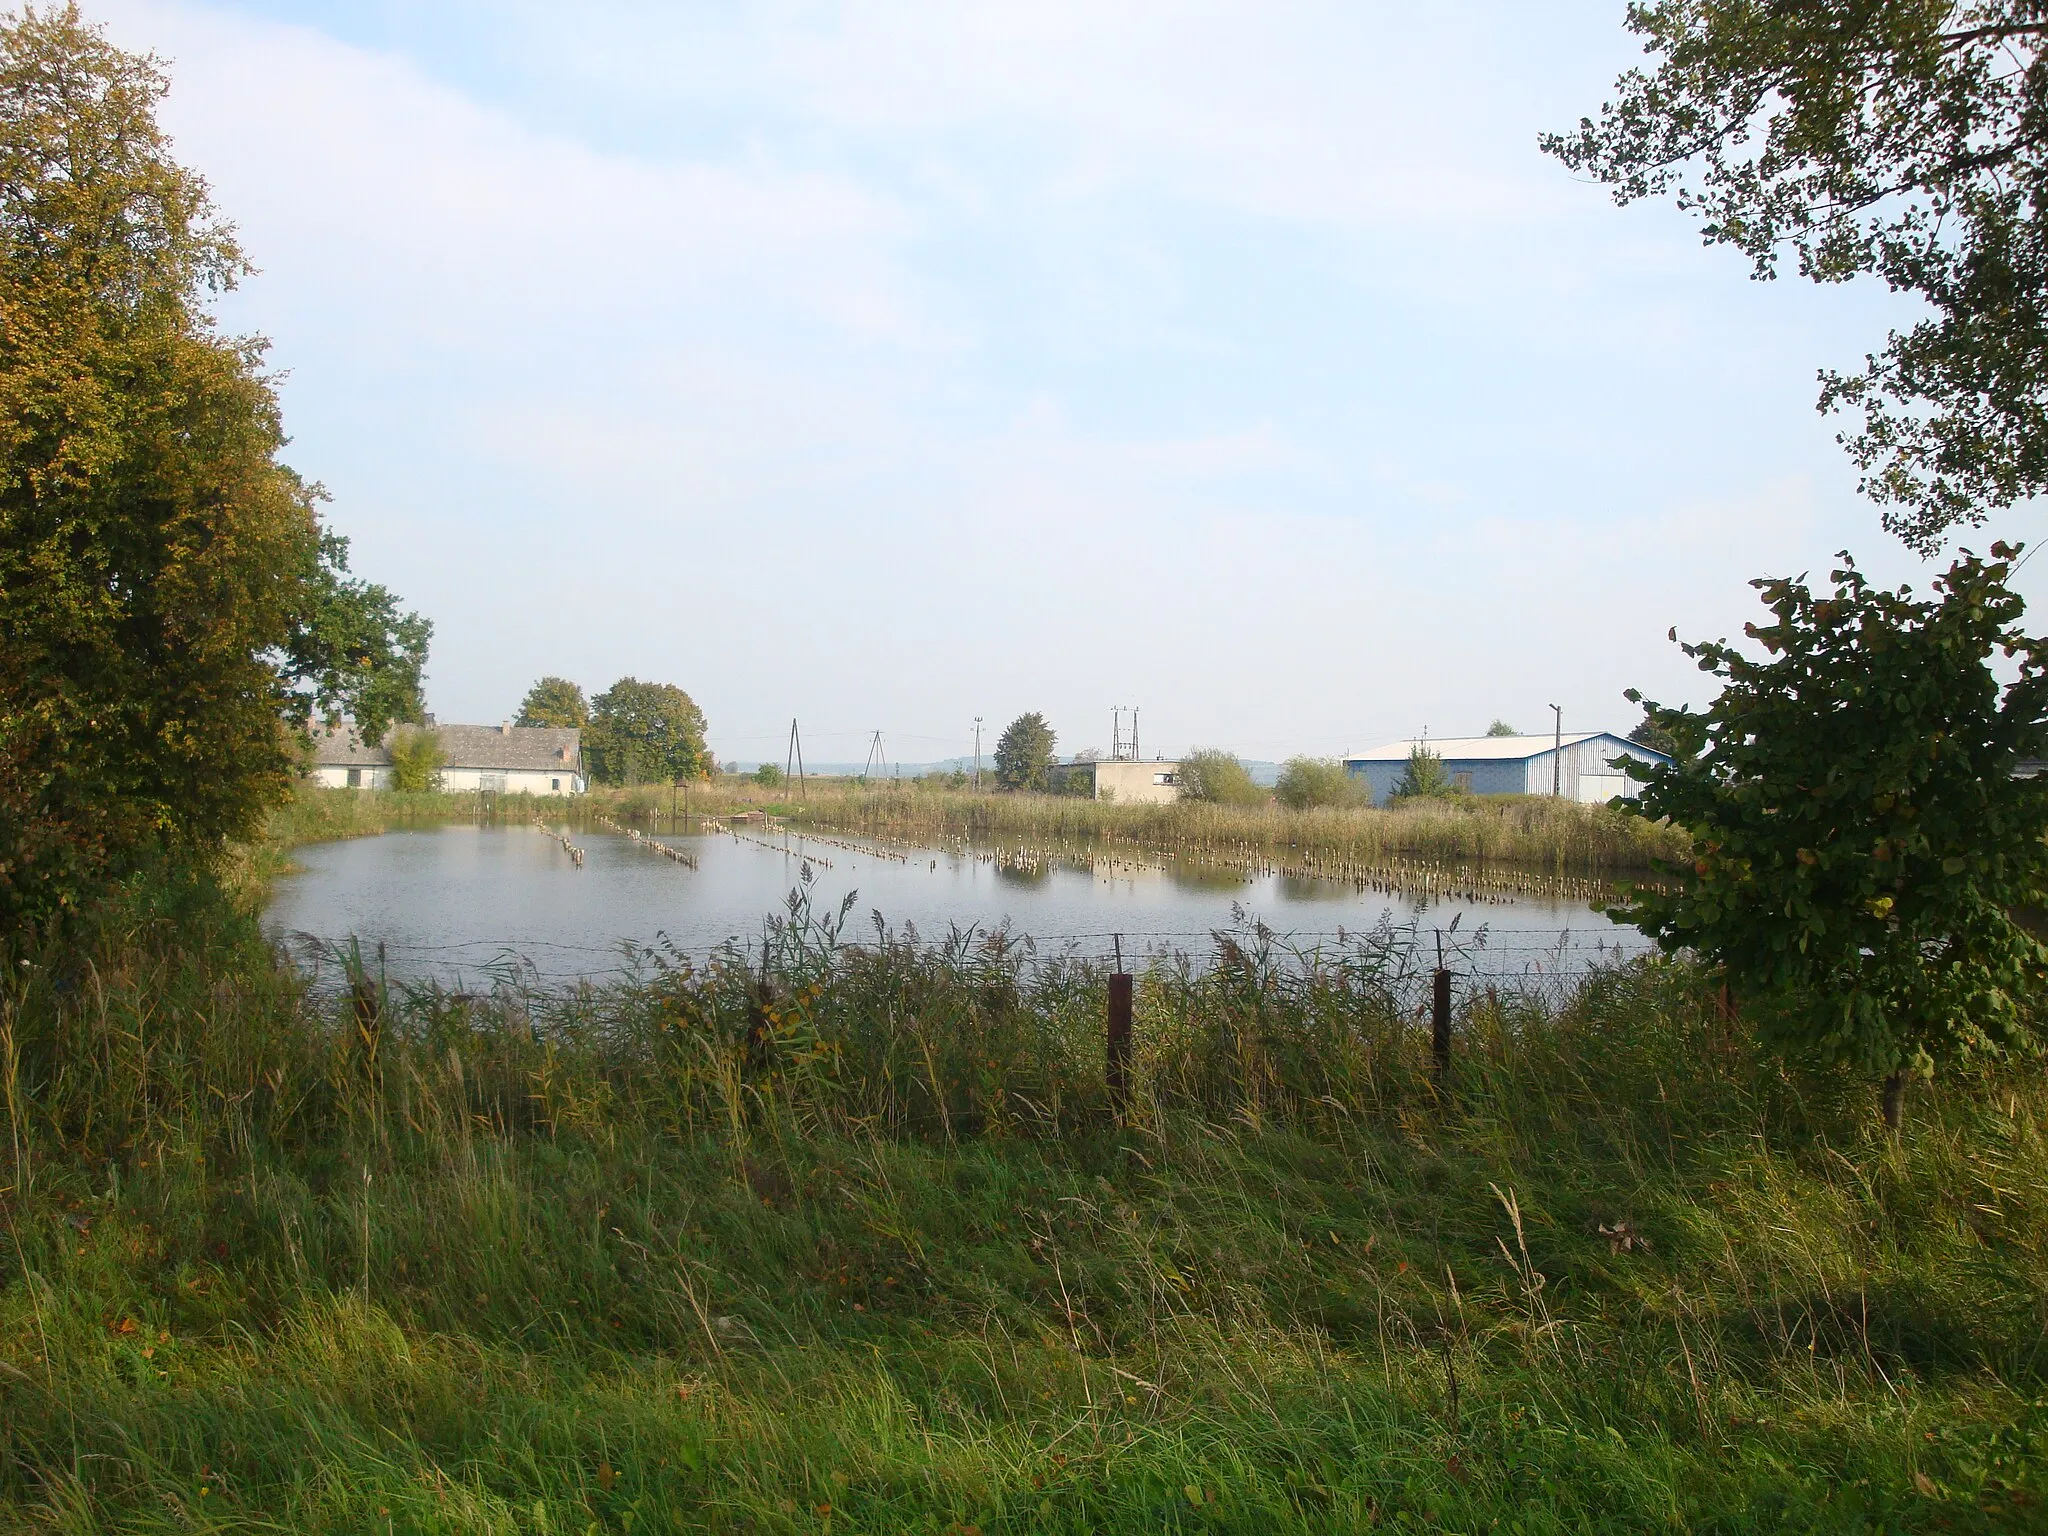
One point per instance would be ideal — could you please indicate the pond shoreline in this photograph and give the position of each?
(511, 892)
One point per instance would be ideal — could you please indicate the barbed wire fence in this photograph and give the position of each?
(1536, 964)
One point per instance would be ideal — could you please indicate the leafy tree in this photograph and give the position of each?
(1862, 843)
(1424, 778)
(168, 598)
(1024, 753)
(1501, 728)
(643, 733)
(416, 760)
(768, 775)
(351, 651)
(1307, 782)
(1652, 735)
(1213, 775)
(554, 701)
(1904, 138)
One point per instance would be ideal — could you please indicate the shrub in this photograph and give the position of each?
(1216, 777)
(1424, 778)
(1309, 782)
(416, 761)
(1863, 841)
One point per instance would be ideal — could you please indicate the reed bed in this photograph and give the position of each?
(1350, 843)
(1484, 846)
(836, 1233)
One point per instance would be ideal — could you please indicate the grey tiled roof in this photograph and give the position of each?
(343, 748)
(537, 748)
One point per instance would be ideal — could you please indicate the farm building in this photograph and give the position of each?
(506, 759)
(1513, 765)
(1153, 781)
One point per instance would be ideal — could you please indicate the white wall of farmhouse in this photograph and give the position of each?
(514, 781)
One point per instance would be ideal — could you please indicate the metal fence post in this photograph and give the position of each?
(1118, 1056)
(1440, 1027)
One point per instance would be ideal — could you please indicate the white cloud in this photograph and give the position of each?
(891, 364)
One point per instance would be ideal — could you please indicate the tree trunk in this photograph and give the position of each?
(1894, 1101)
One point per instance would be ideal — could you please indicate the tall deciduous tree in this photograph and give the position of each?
(643, 733)
(1903, 138)
(1861, 841)
(554, 701)
(167, 597)
(1024, 753)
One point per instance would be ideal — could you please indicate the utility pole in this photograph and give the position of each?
(796, 757)
(977, 754)
(1557, 753)
(876, 756)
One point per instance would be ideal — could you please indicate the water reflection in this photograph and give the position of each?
(454, 901)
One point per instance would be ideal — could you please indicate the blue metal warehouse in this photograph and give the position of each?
(1513, 765)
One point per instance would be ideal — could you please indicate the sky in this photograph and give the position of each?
(887, 365)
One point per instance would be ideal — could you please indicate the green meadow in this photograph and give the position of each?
(828, 1237)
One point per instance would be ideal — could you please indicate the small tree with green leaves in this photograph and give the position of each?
(1501, 728)
(1861, 841)
(1215, 776)
(1424, 778)
(416, 760)
(768, 776)
(554, 701)
(1308, 782)
(1024, 754)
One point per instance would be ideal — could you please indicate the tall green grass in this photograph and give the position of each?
(838, 1236)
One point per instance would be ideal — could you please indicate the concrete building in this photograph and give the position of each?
(1514, 765)
(1153, 781)
(506, 759)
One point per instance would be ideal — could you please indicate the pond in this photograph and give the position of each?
(464, 903)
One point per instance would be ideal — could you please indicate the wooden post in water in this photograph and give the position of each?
(1117, 1057)
(1440, 1028)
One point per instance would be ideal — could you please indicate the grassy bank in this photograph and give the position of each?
(860, 1251)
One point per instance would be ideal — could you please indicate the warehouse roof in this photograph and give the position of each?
(1478, 748)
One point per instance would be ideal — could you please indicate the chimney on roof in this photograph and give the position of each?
(505, 728)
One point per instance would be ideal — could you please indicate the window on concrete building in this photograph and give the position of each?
(1165, 778)
(555, 785)
(355, 778)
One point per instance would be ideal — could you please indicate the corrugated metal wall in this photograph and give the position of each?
(1586, 775)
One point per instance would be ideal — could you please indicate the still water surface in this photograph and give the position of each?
(463, 902)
